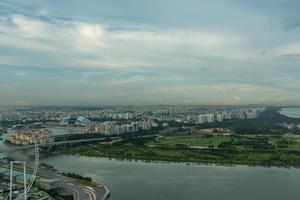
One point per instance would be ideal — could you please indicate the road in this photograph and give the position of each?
(69, 185)
(83, 192)
(17, 148)
(78, 191)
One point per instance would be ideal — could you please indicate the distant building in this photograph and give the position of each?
(227, 115)
(219, 117)
(201, 119)
(128, 115)
(251, 115)
(82, 121)
(22, 136)
(99, 128)
(44, 136)
(109, 130)
(210, 118)
(68, 120)
(10, 116)
(240, 115)
(146, 124)
(188, 118)
(134, 127)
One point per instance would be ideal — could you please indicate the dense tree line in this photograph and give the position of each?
(76, 176)
(269, 122)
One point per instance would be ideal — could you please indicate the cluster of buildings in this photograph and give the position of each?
(10, 116)
(205, 118)
(124, 119)
(79, 121)
(125, 115)
(22, 136)
(84, 125)
(106, 113)
(290, 125)
(114, 128)
(219, 117)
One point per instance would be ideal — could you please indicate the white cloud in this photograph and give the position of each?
(130, 81)
(23, 74)
(289, 49)
(92, 32)
(83, 44)
(184, 65)
(28, 28)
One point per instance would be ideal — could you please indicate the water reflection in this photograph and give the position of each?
(159, 181)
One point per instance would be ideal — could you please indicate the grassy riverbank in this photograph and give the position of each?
(235, 149)
(248, 146)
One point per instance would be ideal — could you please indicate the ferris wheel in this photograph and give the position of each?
(27, 183)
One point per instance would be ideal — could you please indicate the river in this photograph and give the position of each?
(291, 112)
(137, 180)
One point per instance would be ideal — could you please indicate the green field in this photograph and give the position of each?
(292, 142)
(272, 150)
(190, 141)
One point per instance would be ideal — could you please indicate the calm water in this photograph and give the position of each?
(15, 173)
(291, 112)
(160, 181)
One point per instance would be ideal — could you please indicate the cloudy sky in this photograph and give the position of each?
(149, 52)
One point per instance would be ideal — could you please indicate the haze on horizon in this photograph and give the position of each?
(60, 52)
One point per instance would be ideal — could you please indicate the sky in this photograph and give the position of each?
(107, 52)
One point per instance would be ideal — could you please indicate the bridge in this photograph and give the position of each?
(17, 148)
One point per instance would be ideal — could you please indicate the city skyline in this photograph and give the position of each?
(159, 52)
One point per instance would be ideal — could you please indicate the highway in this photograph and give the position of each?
(83, 192)
(69, 185)
(17, 148)
(76, 191)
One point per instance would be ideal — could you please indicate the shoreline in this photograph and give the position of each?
(65, 180)
(188, 163)
(288, 115)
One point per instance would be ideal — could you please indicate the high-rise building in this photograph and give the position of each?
(201, 119)
(210, 118)
(146, 124)
(150, 123)
(251, 115)
(10, 116)
(219, 117)
(134, 126)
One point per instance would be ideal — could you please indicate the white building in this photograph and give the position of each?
(82, 121)
(251, 115)
(210, 118)
(201, 119)
(219, 117)
(10, 116)
(146, 124)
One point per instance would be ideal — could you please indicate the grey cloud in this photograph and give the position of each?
(175, 51)
(291, 57)
(291, 24)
